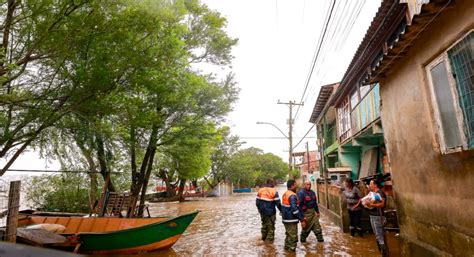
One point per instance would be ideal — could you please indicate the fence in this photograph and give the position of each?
(9, 206)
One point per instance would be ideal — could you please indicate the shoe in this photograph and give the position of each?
(321, 240)
(352, 232)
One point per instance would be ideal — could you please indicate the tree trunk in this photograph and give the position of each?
(145, 183)
(102, 161)
(212, 186)
(170, 192)
(93, 173)
(182, 185)
(133, 159)
(145, 170)
(93, 190)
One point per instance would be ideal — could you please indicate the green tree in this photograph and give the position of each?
(41, 80)
(113, 82)
(189, 156)
(250, 167)
(63, 192)
(227, 146)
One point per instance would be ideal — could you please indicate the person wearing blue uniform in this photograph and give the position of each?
(267, 202)
(309, 206)
(291, 215)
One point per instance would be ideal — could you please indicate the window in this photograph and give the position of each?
(462, 66)
(354, 98)
(364, 89)
(451, 78)
(344, 119)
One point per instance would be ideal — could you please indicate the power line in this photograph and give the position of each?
(340, 34)
(61, 171)
(321, 40)
(279, 138)
(304, 136)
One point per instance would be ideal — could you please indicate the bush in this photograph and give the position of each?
(63, 192)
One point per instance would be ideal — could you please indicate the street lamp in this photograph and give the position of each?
(271, 124)
(290, 159)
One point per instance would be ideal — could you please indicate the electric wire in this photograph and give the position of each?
(321, 40)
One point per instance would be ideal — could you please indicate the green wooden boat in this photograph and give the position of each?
(108, 235)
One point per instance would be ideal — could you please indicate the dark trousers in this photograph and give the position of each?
(354, 218)
(268, 227)
(291, 238)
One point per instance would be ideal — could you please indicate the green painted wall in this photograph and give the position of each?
(350, 160)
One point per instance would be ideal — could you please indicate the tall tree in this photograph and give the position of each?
(227, 146)
(57, 60)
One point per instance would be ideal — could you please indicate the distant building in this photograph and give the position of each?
(307, 164)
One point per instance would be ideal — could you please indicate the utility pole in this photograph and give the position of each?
(309, 157)
(290, 104)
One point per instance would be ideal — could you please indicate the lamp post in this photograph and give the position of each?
(290, 139)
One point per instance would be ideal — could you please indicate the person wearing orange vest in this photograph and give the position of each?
(291, 215)
(267, 202)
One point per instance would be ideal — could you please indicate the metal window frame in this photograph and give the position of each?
(459, 114)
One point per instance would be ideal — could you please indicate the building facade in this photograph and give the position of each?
(307, 164)
(419, 56)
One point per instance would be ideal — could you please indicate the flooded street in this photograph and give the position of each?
(231, 226)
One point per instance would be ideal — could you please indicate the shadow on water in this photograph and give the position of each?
(231, 226)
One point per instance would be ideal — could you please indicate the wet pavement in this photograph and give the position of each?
(230, 226)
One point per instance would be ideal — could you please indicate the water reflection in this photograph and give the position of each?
(231, 226)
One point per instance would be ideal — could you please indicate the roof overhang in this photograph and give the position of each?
(325, 94)
(392, 31)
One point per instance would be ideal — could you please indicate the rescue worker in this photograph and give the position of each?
(267, 200)
(291, 215)
(309, 206)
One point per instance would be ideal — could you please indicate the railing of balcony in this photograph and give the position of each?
(367, 110)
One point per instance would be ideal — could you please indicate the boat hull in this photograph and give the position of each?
(242, 190)
(94, 235)
(148, 238)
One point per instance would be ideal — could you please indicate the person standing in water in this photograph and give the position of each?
(267, 203)
(309, 206)
(353, 196)
(291, 215)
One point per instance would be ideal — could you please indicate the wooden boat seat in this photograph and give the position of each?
(39, 237)
(117, 204)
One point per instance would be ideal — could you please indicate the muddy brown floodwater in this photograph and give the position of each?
(230, 226)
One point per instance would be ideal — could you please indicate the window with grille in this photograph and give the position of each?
(462, 68)
(451, 78)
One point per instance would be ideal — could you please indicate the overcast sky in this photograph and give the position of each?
(277, 42)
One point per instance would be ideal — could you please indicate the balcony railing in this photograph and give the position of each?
(367, 111)
(364, 113)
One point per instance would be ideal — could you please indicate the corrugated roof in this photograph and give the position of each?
(325, 93)
(387, 39)
(390, 13)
